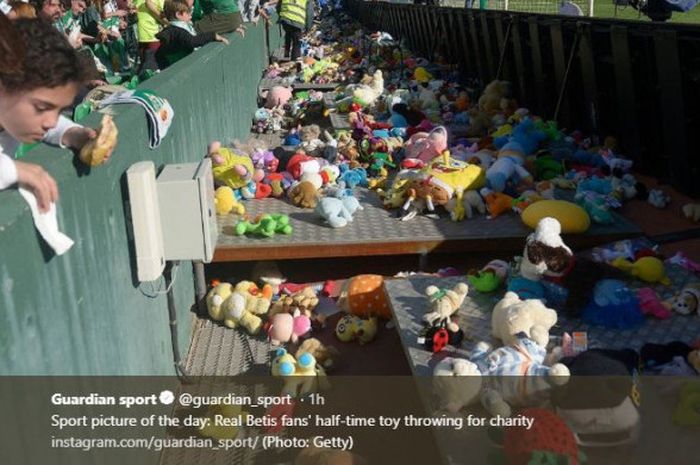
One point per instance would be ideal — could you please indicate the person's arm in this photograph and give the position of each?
(8, 171)
(56, 136)
(30, 176)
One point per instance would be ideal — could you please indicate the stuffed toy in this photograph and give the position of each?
(216, 298)
(93, 153)
(427, 146)
(304, 195)
(526, 135)
(351, 327)
(285, 327)
(234, 170)
(257, 301)
(302, 374)
(508, 167)
(548, 441)
(338, 212)
(364, 296)
(463, 204)
(511, 316)
(692, 211)
(490, 277)
(648, 269)
(571, 217)
(687, 412)
(613, 305)
(301, 163)
(304, 300)
(236, 313)
(687, 301)
(366, 94)
(225, 202)
(496, 202)
(278, 96)
(650, 304)
(326, 356)
(265, 159)
(596, 205)
(491, 100)
(265, 225)
(279, 183)
(215, 428)
(545, 253)
(268, 273)
(356, 177)
(444, 302)
(311, 142)
(457, 383)
(516, 373)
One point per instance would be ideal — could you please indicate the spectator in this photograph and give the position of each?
(296, 16)
(50, 10)
(149, 23)
(40, 74)
(112, 49)
(180, 39)
(21, 9)
(220, 16)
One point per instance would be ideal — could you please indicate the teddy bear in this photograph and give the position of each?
(457, 383)
(311, 142)
(351, 327)
(236, 313)
(304, 300)
(216, 298)
(326, 356)
(512, 316)
(338, 212)
(491, 99)
(225, 202)
(302, 374)
(285, 327)
(444, 302)
(304, 195)
(239, 305)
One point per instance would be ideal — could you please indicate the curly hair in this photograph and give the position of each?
(11, 48)
(47, 60)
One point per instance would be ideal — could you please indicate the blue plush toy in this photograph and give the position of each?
(353, 177)
(614, 306)
(338, 211)
(526, 134)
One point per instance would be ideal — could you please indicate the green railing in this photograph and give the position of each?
(83, 313)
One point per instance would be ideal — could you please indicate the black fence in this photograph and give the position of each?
(639, 82)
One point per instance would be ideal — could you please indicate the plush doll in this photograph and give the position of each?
(363, 295)
(285, 327)
(508, 167)
(268, 273)
(279, 183)
(304, 195)
(493, 95)
(302, 374)
(236, 313)
(366, 94)
(444, 302)
(496, 202)
(225, 202)
(463, 204)
(613, 305)
(650, 304)
(545, 253)
(687, 301)
(490, 277)
(596, 205)
(216, 298)
(355, 177)
(278, 96)
(338, 212)
(232, 169)
(457, 383)
(326, 356)
(427, 146)
(301, 163)
(265, 225)
(257, 301)
(516, 372)
(648, 269)
(512, 316)
(351, 327)
(526, 135)
(311, 142)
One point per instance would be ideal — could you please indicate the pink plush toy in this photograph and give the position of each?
(651, 305)
(285, 327)
(426, 146)
(278, 96)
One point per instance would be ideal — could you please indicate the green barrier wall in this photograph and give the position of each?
(83, 313)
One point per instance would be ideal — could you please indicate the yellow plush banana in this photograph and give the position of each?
(94, 151)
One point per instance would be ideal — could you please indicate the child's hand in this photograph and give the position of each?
(77, 137)
(220, 38)
(42, 185)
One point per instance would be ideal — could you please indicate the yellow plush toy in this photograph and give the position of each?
(216, 298)
(573, 218)
(648, 269)
(230, 168)
(236, 314)
(351, 327)
(226, 202)
(302, 375)
(257, 301)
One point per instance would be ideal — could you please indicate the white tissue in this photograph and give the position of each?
(47, 225)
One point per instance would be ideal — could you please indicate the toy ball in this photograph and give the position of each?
(573, 218)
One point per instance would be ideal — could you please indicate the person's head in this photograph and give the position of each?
(44, 79)
(21, 10)
(177, 10)
(78, 7)
(50, 10)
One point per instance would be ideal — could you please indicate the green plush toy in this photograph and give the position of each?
(265, 225)
(546, 168)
